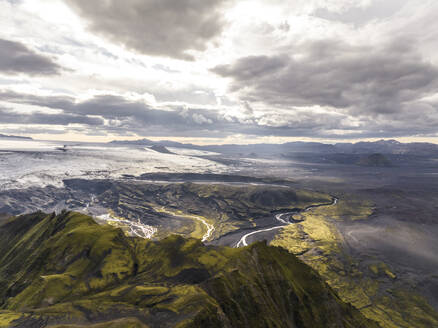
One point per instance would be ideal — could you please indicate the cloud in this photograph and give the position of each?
(8, 116)
(362, 14)
(253, 67)
(362, 80)
(16, 58)
(121, 115)
(155, 27)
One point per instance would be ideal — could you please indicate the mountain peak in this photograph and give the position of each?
(388, 142)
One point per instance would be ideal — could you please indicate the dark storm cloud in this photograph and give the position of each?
(155, 27)
(121, 114)
(112, 107)
(118, 115)
(365, 80)
(16, 58)
(12, 117)
(253, 67)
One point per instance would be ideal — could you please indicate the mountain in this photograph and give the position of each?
(140, 142)
(388, 147)
(377, 160)
(381, 146)
(161, 149)
(67, 271)
(148, 142)
(4, 136)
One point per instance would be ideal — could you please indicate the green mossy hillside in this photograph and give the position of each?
(67, 271)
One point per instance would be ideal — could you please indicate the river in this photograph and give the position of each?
(284, 222)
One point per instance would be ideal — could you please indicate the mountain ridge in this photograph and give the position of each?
(67, 271)
(389, 146)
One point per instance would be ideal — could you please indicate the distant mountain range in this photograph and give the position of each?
(4, 136)
(382, 146)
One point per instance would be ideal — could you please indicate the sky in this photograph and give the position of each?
(219, 71)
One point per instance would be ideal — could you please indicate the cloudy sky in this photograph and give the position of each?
(215, 71)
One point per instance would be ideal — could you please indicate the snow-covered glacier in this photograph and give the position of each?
(30, 163)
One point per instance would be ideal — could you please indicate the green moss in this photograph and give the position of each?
(403, 308)
(350, 207)
(374, 269)
(6, 318)
(120, 323)
(382, 269)
(320, 246)
(185, 299)
(85, 274)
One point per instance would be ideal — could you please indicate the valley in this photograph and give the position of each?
(218, 164)
(367, 231)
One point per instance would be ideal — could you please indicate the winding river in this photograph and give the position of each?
(284, 222)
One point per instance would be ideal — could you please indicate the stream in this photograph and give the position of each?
(284, 222)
